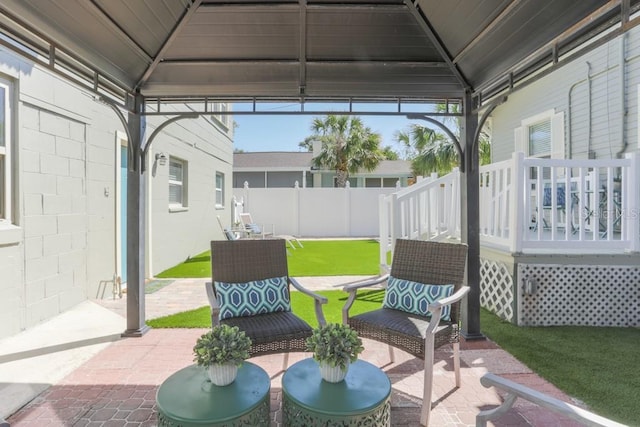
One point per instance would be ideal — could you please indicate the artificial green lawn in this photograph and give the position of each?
(595, 365)
(302, 306)
(316, 258)
(599, 366)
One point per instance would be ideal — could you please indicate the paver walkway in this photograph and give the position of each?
(117, 386)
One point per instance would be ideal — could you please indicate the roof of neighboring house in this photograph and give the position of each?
(272, 159)
(302, 160)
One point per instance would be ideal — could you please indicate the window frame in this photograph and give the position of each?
(182, 183)
(556, 125)
(222, 119)
(219, 190)
(6, 157)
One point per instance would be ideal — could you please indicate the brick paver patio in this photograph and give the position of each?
(117, 387)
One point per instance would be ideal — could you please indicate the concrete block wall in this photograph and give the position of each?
(53, 207)
(62, 241)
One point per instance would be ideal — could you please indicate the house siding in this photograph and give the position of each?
(63, 243)
(588, 92)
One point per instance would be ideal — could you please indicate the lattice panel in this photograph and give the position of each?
(496, 289)
(586, 295)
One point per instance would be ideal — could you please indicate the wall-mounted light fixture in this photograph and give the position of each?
(161, 158)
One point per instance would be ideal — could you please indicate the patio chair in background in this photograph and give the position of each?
(228, 233)
(254, 229)
(424, 276)
(250, 289)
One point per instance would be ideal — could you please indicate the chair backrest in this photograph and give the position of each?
(435, 263)
(242, 261)
(245, 217)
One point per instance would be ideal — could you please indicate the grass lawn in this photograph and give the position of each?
(595, 365)
(317, 258)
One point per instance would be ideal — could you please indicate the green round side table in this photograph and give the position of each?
(188, 398)
(361, 399)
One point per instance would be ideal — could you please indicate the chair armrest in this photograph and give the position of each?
(213, 304)
(318, 300)
(352, 290)
(435, 308)
(365, 283)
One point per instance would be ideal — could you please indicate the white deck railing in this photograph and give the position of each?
(528, 205)
(429, 210)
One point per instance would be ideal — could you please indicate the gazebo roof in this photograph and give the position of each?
(371, 50)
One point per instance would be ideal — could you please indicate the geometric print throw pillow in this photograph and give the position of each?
(256, 297)
(415, 297)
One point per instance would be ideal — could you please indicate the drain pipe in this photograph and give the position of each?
(623, 106)
(589, 110)
(569, 143)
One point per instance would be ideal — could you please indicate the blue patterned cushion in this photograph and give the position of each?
(257, 297)
(414, 297)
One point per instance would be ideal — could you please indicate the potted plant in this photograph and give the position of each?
(335, 346)
(222, 350)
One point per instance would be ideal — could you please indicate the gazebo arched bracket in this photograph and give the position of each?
(450, 134)
(145, 150)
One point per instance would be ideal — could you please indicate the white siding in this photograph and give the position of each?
(588, 91)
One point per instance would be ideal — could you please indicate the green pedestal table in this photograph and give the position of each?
(188, 398)
(361, 399)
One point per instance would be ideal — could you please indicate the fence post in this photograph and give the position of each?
(383, 219)
(518, 195)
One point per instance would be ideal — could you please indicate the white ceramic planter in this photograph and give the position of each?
(333, 374)
(222, 375)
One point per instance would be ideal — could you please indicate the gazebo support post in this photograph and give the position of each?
(470, 220)
(136, 209)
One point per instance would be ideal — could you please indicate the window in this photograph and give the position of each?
(541, 135)
(5, 152)
(177, 183)
(353, 182)
(223, 119)
(540, 139)
(219, 189)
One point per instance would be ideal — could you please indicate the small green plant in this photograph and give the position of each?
(223, 344)
(335, 344)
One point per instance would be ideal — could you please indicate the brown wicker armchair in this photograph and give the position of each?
(427, 263)
(240, 262)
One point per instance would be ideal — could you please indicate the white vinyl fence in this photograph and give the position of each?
(313, 212)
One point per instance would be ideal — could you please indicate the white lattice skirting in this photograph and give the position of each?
(587, 295)
(496, 289)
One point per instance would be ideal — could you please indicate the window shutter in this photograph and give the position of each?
(518, 138)
(557, 136)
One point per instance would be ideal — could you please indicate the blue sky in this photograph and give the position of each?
(284, 132)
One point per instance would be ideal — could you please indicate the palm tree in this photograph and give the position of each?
(433, 151)
(347, 146)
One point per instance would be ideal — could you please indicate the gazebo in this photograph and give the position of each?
(138, 54)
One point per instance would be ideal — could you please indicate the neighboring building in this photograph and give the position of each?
(274, 169)
(63, 159)
(284, 169)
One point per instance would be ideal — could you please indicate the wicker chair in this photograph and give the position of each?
(428, 263)
(242, 261)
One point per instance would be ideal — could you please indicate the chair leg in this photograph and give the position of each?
(456, 362)
(392, 355)
(285, 362)
(428, 381)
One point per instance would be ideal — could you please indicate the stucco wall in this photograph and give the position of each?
(176, 235)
